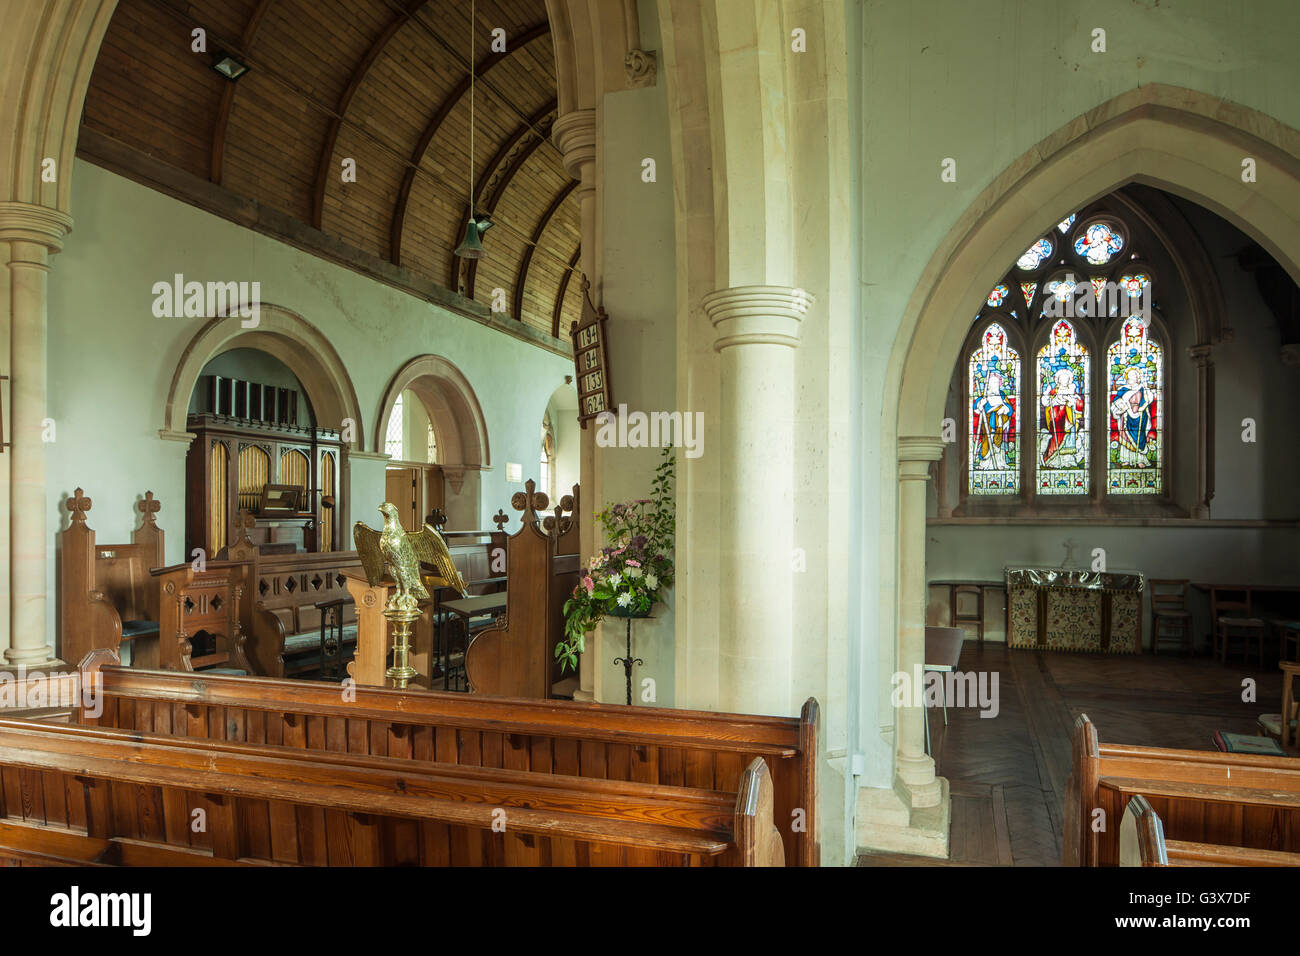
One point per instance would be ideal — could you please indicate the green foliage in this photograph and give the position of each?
(629, 574)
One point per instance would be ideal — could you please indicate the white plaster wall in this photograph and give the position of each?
(111, 361)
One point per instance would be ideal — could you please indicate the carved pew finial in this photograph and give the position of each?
(529, 501)
(79, 504)
(150, 506)
(501, 519)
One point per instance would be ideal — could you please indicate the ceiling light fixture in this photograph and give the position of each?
(229, 67)
(472, 246)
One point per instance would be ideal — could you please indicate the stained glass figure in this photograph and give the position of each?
(1065, 224)
(998, 295)
(1035, 255)
(994, 396)
(1098, 244)
(1134, 283)
(1029, 288)
(1063, 366)
(1135, 383)
(1062, 289)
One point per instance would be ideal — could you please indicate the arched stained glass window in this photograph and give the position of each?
(1077, 281)
(1135, 387)
(994, 382)
(1063, 374)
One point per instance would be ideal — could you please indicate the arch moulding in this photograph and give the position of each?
(288, 337)
(452, 405)
(1188, 143)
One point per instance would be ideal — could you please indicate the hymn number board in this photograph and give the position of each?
(591, 359)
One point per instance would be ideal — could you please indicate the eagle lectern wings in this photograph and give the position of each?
(393, 553)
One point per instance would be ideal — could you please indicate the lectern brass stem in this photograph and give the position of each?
(401, 620)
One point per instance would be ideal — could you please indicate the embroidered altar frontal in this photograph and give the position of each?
(1059, 610)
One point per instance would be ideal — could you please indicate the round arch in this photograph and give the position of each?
(452, 405)
(1179, 140)
(288, 337)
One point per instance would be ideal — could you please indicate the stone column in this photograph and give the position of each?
(756, 331)
(574, 135)
(1204, 362)
(914, 766)
(33, 233)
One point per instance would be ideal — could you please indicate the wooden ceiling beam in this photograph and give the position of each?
(345, 101)
(558, 312)
(246, 38)
(398, 221)
(521, 278)
(497, 186)
(486, 180)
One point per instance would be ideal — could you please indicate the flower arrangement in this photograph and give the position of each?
(629, 574)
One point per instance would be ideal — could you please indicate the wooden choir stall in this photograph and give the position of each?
(515, 655)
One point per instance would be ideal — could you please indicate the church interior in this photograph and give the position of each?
(649, 433)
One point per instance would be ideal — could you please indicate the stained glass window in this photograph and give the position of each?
(1099, 243)
(1065, 224)
(1029, 288)
(1035, 255)
(1063, 372)
(998, 295)
(1135, 393)
(994, 382)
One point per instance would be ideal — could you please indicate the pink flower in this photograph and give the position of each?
(589, 584)
(633, 563)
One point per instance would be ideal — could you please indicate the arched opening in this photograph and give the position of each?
(1183, 142)
(270, 414)
(433, 397)
(561, 441)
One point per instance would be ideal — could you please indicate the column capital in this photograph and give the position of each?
(574, 135)
(915, 452)
(29, 222)
(1201, 355)
(756, 315)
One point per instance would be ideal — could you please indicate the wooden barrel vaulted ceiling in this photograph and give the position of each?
(383, 82)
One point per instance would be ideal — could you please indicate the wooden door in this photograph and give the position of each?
(402, 489)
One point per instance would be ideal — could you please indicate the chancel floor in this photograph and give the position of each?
(1007, 774)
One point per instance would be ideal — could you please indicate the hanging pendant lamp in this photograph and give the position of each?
(472, 246)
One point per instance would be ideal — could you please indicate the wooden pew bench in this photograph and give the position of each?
(1201, 797)
(677, 748)
(74, 795)
(282, 620)
(1142, 843)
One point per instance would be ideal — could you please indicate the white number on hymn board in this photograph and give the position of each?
(588, 337)
(591, 359)
(592, 382)
(595, 403)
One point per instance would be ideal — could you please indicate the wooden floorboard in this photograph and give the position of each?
(1007, 773)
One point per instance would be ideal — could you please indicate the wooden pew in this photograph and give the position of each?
(74, 795)
(1240, 800)
(643, 744)
(201, 608)
(1142, 843)
(106, 595)
(515, 657)
(279, 616)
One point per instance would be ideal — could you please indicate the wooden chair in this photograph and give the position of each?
(1169, 615)
(1234, 626)
(968, 609)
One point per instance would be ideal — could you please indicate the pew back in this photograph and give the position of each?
(81, 794)
(1241, 800)
(640, 744)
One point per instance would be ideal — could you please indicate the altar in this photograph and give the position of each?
(1057, 609)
